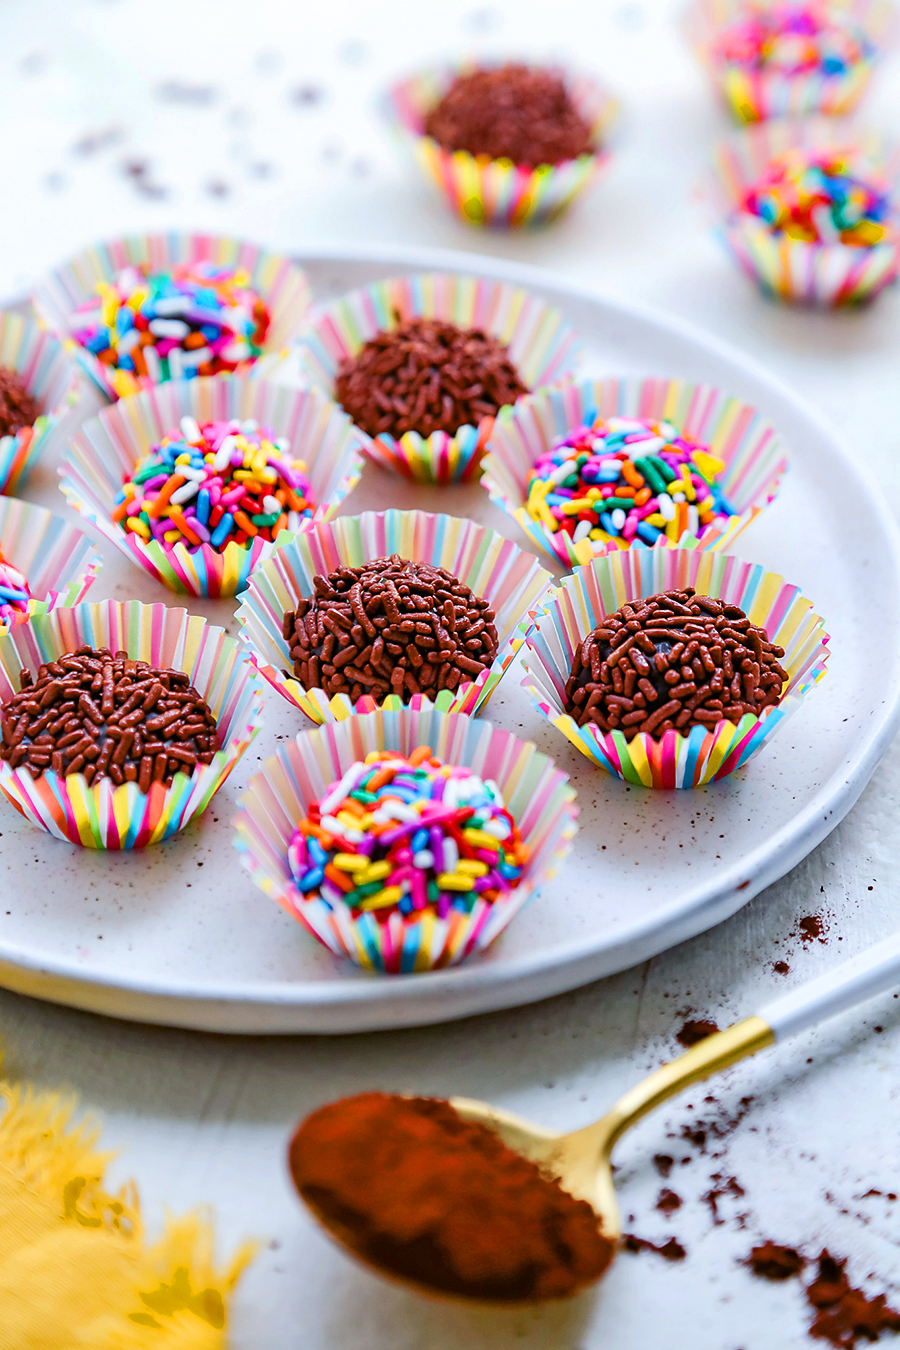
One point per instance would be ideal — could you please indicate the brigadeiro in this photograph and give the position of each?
(104, 715)
(515, 112)
(17, 408)
(677, 660)
(391, 626)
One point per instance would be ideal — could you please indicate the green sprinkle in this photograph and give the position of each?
(662, 468)
(149, 471)
(433, 892)
(363, 797)
(648, 470)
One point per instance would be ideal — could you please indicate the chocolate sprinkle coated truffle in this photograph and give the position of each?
(101, 714)
(673, 661)
(17, 408)
(513, 112)
(390, 627)
(426, 375)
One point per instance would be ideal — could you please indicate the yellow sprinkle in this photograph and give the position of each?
(453, 881)
(183, 459)
(672, 530)
(351, 862)
(480, 839)
(377, 871)
(708, 465)
(575, 505)
(389, 896)
(138, 526)
(471, 867)
(172, 536)
(348, 819)
(657, 520)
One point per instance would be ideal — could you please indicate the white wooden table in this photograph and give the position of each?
(260, 123)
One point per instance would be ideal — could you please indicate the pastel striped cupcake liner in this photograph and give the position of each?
(750, 447)
(107, 448)
(754, 96)
(512, 582)
(51, 379)
(537, 795)
(830, 275)
(102, 815)
(542, 346)
(602, 586)
(280, 283)
(59, 563)
(498, 192)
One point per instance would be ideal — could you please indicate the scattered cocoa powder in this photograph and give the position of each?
(781, 968)
(843, 1315)
(811, 928)
(669, 1251)
(773, 1262)
(663, 1163)
(721, 1187)
(668, 1201)
(694, 1031)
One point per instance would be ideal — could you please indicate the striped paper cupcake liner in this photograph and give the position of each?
(491, 566)
(736, 433)
(602, 586)
(536, 793)
(280, 283)
(52, 380)
(102, 815)
(59, 563)
(754, 96)
(107, 448)
(830, 275)
(542, 347)
(498, 192)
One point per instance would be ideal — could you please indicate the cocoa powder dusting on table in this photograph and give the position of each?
(663, 1162)
(772, 1262)
(669, 1251)
(843, 1315)
(811, 928)
(668, 1201)
(694, 1031)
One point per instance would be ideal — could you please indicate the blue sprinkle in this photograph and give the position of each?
(314, 877)
(648, 532)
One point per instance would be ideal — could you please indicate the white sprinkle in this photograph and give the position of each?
(271, 506)
(677, 496)
(618, 519)
(169, 328)
(190, 429)
(224, 453)
(250, 425)
(127, 341)
(451, 854)
(196, 356)
(185, 493)
(424, 858)
(693, 520)
(176, 363)
(171, 304)
(582, 531)
(665, 506)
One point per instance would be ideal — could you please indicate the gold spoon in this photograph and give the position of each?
(582, 1160)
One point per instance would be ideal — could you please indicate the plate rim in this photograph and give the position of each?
(285, 1007)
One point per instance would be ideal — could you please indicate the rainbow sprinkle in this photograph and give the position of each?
(407, 834)
(14, 591)
(814, 194)
(794, 39)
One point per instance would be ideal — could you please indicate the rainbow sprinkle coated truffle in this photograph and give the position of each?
(14, 591)
(629, 481)
(406, 835)
(819, 196)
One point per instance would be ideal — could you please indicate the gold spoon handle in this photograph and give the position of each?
(716, 1052)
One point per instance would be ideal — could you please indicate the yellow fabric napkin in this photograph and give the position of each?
(76, 1272)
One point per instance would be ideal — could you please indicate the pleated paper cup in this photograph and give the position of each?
(733, 431)
(829, 275)
(51, 379)
(754, 96)
(511, 581)
(102, 815)
(542, 347)
(537, 795)
(59, 563)
(107, 448)
(601, 587)
(484, 191)
(282, 286)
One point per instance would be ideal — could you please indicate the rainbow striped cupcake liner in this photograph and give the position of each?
(829, 275)
(512, 582)
(542, 346)
(754, 96)
(102, 815)
(51, 379)
(498, 192)
(749, 446)
(602, 586)
(59, 563)
(280, 283)
(107, 448)
(537, 794)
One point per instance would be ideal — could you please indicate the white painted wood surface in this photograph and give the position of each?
(205, 1119)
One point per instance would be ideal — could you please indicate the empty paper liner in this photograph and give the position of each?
(52, 380)
(537, 795)
(601, 587)
(733, 431)
(281, 285)
(484, 191)
(756, 94)
(542, 347)
(511, 581)
(107, 448)
(59, 563)
(102, 815)
(827, 274)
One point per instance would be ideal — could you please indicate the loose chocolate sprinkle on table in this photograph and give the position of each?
(673, 661)
(391, 626)
(669, 1251)
(17, 408)
(694, 1031)
(107, 716)
(772, 1262)
(512, 112)
(425, 375)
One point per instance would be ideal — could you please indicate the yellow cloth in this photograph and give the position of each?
(75, 1270)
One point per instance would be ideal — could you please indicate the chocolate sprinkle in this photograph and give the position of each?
(513, 112)
(673, 661)
(390, 627)
(17, 408)
(426, 375)
(104, 715)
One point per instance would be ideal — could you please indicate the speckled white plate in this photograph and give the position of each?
(180, 934)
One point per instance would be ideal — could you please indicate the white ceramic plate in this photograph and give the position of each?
(179, 934)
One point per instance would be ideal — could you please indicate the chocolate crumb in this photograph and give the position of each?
(669, 1251)
(773, 1262)
(663, 1163)
(811, 928)
(781, 967)
(722, 1186)
(668, 1201)
(695, 1031)
(845, 1314)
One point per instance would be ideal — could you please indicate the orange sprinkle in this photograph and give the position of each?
(339, 878)
(643, 496)
(165, 492)
(292, 499)
(631, 475)
(243, 521)
(420, 754)
(176, 515)
(121, 510)
(379, 779)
